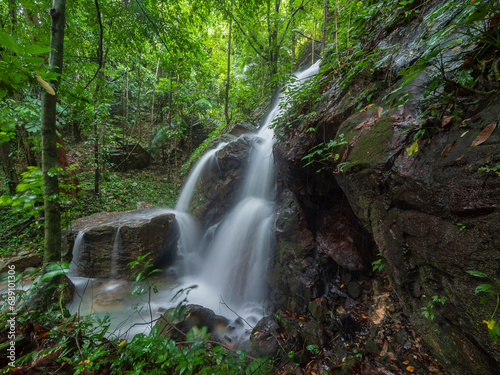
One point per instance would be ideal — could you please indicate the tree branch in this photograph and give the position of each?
(249, 38)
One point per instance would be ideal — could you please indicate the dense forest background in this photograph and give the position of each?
(146, 87)
(165, 76)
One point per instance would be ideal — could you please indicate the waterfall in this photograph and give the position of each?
(189, 187)
(233, 265)
(228, 261)
(114, 254)
(73, 266)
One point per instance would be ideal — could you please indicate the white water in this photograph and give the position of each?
(189, 187)
(73, 266)
(114, 254)
(229, 262)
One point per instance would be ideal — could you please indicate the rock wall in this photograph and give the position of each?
(426, 205)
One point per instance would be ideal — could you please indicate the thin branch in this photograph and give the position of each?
(154, 26)
(249, 38)
(307, 37)
(239, 316)
(301, 6)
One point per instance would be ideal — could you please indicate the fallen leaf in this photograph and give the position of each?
(485, 134)
(406, 362)
(45, 85)
(384, 348)
(446, 121)
(410, 368)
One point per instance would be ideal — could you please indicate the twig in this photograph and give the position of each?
(239, 316)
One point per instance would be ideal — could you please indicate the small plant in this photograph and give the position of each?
(486, 169)
(493, 327)
(325, 153)
(427, 311)
(379, 264)
(144, 283)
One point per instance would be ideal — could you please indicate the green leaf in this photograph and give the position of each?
(8, 41)
(477, 274)
(412, 149)
(483, 288)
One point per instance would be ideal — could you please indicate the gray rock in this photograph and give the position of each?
(140, 232)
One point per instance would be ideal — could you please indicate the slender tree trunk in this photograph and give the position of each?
(294, 42)
(228, 81)
(125, 126)
(97, 96)
(52, 240)
(27, 146)
(138, 105)
(154, 91)
(325, 23)
(8, 167)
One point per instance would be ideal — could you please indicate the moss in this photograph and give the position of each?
(372, 143)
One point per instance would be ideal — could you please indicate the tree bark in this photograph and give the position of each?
(8, 167)
(27, 146)
(228, 81)
(52, 240)
(325, 23)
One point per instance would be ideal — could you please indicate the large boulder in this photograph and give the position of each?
(103, 244)
(434, 217)
(220, 182)
(128, 155)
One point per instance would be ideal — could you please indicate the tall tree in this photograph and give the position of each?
(52, 241)
(228, 79)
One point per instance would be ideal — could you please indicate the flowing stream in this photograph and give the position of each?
(229, 262)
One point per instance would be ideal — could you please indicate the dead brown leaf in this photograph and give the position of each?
(485, 134)
(446, 121)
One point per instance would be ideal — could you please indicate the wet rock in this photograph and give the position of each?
(319, 309)
(219, 184)
(264, 338)
(175, 327)
(295, 275)
(129, 155)
(140, 232)
(242, 127)
(21, 262)
(354, 289)
(335, 238)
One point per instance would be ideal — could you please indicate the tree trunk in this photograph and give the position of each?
(8, 167)
(27, 146)
(226, 99)
(325, 23)
(52, 240)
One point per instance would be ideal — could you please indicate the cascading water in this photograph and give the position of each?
(235, 262)
(228, 262)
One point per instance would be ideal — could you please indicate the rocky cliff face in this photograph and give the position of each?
(419, 187)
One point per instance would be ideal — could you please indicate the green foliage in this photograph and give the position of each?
(487, 169)
(324, 154)
(379, 264)
(493, 327)
(427, 311)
